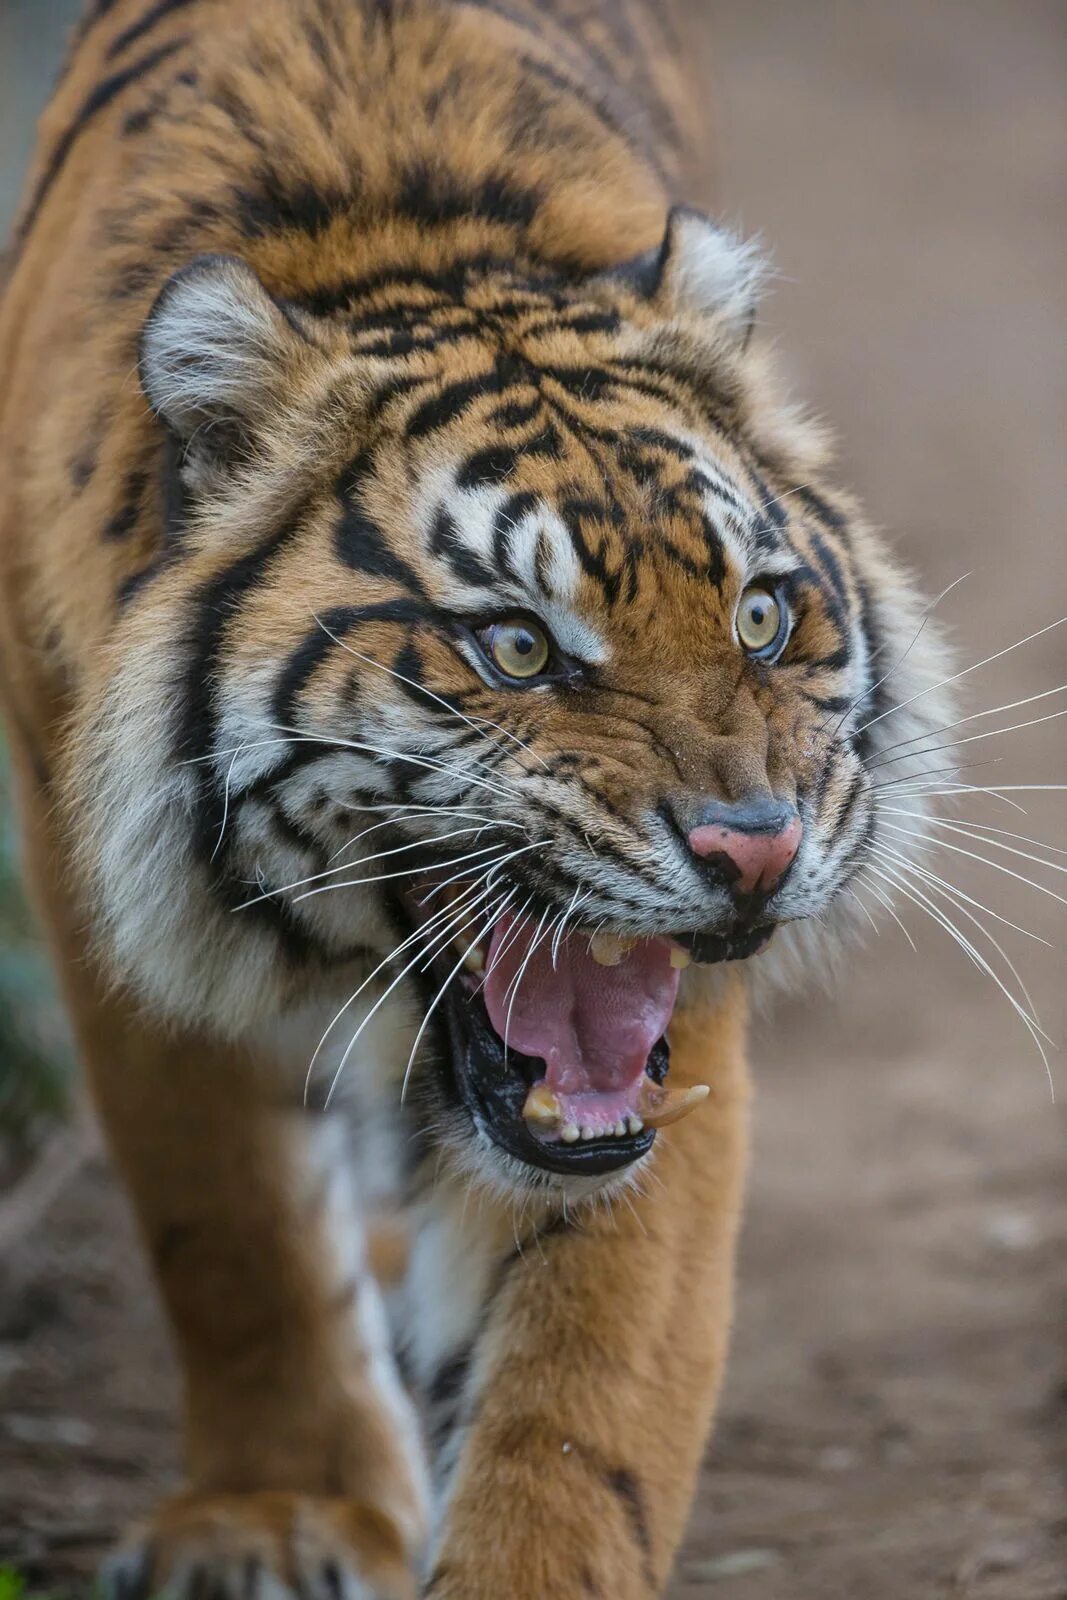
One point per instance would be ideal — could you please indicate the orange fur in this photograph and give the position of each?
(410, 196)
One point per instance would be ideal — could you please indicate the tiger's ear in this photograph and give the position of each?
(215, 355)
(705, 270)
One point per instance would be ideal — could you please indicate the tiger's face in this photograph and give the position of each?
(521, 662)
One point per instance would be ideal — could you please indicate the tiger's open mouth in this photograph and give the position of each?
(559, 1046)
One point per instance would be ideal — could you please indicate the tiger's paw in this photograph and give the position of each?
(260, 1547)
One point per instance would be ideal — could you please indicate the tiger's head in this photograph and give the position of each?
(506, 647)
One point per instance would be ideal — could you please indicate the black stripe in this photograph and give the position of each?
(450, 403)
(444, 1394)
(124, 520)
(358, 540)
(267, 204)
(98, 100)
(627, 1490)
(827, 514)
(137, 30)
(447, 541)
(312, 651)
(433, 196)
(449, 282)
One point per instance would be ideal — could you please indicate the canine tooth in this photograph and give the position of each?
(661, 1106)
(474, 961)
(634, 1124)
(608, 949)
(680, 959)
(570, 1134)
(543, 1108)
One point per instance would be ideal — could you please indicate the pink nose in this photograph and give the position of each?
(753, 862)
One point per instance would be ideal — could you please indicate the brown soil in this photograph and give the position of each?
(895, 1421)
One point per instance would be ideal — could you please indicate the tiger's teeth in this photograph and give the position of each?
(680, 959)
(661, 1106)
(608, 949)
(587, 1134)
(474, 961)
(634, 1124)
(543, 1108)
(570, 1134)
(619, 1129)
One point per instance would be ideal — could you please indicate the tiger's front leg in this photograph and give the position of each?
(571, 1417)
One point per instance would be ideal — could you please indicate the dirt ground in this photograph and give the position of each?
(894, 1425)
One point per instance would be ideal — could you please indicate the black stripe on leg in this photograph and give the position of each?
(624, 1486)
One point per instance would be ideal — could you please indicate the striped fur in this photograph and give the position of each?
(333, 329)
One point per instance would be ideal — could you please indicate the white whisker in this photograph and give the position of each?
(499, 907)
(995, 866)
(422, 689)
(975, 716)
(944, 682)
(441, 938)
(418, 935)
(972, 738)
(979, 832)
(915, 894)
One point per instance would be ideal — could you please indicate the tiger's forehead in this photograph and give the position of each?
(572, 550)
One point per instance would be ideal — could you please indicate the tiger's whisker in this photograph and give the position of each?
(865, 694)
(916, 895)
(441, 938)
(979, 831)
(537, 844)
(414, 684)
(379, 855)
(850, 890)
(378, 877)
(955, 677)
(418, 935)
(975, 716)
(484, 819)
(972, 738)
(499, 907)
(996, 866)
(945, 894)
(934, 878)
(946, 891)
(887, 903)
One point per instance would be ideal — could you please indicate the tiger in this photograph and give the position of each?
(445, 683)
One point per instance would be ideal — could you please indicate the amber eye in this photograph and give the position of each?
(761, 622)
(518, 648)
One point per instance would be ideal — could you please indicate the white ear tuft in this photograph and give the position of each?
(214, 352)
(710, 271)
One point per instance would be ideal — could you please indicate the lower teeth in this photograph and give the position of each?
(659, 1106)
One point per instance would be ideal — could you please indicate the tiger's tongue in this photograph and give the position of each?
(592, 1026)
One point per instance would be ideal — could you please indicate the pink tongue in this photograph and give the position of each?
(592, 1026)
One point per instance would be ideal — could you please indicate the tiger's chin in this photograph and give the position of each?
(557, 1048)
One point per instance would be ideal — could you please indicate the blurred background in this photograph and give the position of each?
(895, 1421)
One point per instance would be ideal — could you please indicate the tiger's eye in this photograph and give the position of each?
(759, 619)
(520, 649)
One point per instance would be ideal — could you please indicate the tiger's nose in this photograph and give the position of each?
(751, 845)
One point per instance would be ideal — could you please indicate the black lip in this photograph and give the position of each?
(711, 948)
(494, 1088)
